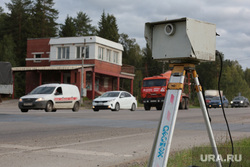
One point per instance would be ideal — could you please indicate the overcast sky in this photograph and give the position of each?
(232, 18)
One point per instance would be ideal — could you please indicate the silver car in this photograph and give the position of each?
(115, 100)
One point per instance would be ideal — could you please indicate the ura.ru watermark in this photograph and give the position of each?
(222, 158)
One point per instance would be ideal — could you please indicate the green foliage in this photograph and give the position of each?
(233, 79)
(7, 46)
(43, 19)
(83, 26)
(68, 29)
(79, 26)
(108, 28)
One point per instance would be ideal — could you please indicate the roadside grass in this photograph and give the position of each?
(202, 156)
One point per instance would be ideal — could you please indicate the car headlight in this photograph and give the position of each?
(20, 100)
(241, 101)
(231, 102)
(40, 99)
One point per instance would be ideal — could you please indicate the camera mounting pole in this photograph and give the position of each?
(182, 42)
(163, 138)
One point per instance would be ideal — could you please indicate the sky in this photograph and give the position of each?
(231, 17)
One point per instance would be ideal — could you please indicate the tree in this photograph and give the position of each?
(151, 66)
(18, 24)
(132, 56)
(68, 29)
(247, 76)
(108, 28)
(83, 26)
(132, 52)
(43, 19)
(7, 50)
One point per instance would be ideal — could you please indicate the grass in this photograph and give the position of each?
(200, 156)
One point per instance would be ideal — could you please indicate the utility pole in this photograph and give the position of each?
(82, 72)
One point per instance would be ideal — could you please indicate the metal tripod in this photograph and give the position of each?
(161, 147)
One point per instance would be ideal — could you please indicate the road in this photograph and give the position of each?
(104, 138)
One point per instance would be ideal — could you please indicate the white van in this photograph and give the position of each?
(51, 97)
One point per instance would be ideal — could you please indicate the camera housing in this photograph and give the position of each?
(184, 40)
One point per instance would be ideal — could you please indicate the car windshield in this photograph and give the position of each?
(239, 98)
(111, 94)
(216, 98)
(43, 90)
(154, 82)
(209, 97)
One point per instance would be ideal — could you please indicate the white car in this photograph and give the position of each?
(115, 100)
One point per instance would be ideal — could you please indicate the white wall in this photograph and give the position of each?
(93, 43)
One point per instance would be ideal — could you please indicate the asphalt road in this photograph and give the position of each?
(104, 138)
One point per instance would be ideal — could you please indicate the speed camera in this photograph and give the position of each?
(181, 39)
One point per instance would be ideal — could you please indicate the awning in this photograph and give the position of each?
(47, 68)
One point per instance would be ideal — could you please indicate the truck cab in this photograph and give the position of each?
(154, 89)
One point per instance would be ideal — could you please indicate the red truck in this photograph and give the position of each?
(154, 89)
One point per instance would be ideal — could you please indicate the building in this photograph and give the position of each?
(59, 60)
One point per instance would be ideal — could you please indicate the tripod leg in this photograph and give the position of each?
(206, 118)
(161, 147)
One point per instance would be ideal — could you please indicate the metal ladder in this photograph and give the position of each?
(162, 142)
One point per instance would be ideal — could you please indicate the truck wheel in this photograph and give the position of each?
(186, 103)
(159, 107)
(76, 107)
(49, 106)
(147, 107)
(182, 104)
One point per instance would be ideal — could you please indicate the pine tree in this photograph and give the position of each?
(18, 25)
(68, 29)
(83, 26)
(43, 19)
(108, 28)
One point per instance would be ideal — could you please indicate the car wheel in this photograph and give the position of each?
(76, 107)
(24, 110)
(49, 106)
(96, 110)
(133, 107)
(117, 107)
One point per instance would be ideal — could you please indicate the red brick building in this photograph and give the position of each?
(59, 60)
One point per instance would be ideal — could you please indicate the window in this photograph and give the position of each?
(115, 57)
(79, 51)
(108, 58)
(63, 53)
(127, 94)
(59, 91)
(100, 53)
(37, 57)
(154, 82)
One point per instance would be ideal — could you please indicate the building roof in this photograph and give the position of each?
(89, 39)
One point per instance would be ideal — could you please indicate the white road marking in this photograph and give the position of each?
(27, 148)
(85, 152)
